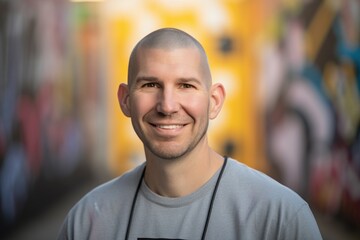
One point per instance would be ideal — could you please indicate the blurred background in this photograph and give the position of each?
(291, 69)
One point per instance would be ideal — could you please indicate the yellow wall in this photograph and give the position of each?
(242, 21)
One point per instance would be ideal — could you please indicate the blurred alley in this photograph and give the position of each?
(291, 70)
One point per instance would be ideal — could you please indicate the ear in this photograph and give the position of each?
(123, 98)
(217, 97)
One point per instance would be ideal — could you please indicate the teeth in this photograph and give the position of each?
(169, 126)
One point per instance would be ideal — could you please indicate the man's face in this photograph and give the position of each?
(168, 101)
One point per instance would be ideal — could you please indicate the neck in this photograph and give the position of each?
(180, 177)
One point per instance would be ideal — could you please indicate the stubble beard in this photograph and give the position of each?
(173, 152)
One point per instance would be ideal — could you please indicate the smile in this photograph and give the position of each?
(170, 127)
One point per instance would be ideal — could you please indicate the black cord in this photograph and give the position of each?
(209, 210)
(133, 205)
(213, 198)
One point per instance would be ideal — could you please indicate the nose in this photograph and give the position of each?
(168, 103)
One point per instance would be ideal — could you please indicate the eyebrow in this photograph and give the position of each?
(145, 78)
(190, 80)
(155, 79)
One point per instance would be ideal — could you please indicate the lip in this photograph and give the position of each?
(168, 129)
(169, 126)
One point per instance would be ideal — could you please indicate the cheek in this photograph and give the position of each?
(139, 108)
(141, 105)
(197, 106)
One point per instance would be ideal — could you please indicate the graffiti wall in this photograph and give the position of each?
(291, 70)
(48, 92)
(309, 93)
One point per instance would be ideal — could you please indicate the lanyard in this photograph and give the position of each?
(208, 213)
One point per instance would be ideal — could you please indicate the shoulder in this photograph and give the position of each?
(257, 186)
(267, 204)
(117, 189)
(103, 206)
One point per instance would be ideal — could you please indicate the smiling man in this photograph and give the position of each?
(184, 190)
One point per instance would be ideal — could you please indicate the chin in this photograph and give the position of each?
(168, 153)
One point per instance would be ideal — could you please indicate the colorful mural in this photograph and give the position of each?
(48, 90)
(291, 69)
(312, 111)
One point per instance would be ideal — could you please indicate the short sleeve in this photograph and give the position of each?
(302, 226)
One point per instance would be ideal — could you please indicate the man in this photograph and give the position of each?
(185, 190)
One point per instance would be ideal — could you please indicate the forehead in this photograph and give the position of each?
(177, 56)
(176, 62)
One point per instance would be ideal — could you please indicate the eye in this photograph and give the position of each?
(150, 85)
(186, 85)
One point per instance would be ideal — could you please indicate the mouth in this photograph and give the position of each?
(169, 126)
(167, 130)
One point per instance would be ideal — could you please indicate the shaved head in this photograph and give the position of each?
(167, 39)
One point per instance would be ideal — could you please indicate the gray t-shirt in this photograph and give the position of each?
(248, 205)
